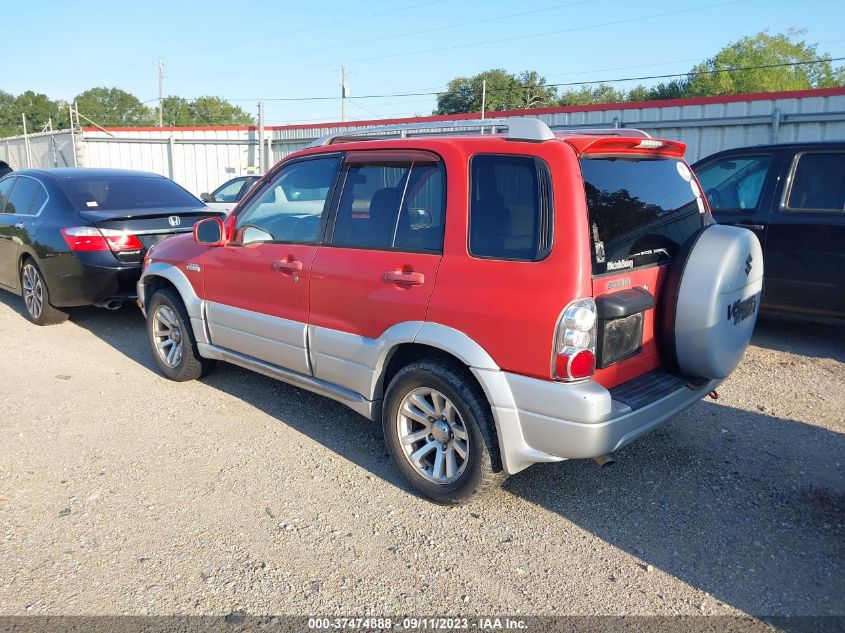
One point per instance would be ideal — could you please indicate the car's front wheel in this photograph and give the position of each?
(439, 430)
(172, 339)
(36, 297)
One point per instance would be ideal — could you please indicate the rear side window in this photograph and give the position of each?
(818, 183)
(27, 197)
(510, 208)
(392, 201)
(641, 210)
(5, 190)
(734, 183)
(124, 192)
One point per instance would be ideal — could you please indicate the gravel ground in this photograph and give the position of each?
(124, 493)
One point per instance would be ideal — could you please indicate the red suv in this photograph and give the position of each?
(494, 300)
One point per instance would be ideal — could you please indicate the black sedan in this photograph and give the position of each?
(72, 237)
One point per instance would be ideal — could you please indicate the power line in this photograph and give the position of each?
(381, 38)
(572, 83)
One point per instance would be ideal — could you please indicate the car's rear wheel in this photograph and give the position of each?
(172, 339)
(36, 297)
(438, 429)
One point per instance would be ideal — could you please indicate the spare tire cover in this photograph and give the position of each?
(713, 299)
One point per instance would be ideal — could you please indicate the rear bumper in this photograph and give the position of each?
(551, 421)
(88, 284)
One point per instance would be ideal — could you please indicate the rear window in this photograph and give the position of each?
(641, 210)
(109, 193)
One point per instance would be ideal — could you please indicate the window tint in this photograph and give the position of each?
(109, 193)
(734, 183)
(23, 195)
(641, 210)
(818, 183)
(510, 208)
(228, 192)
(291, 206)
(395, 203)
(5, 189)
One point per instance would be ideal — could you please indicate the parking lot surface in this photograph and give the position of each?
(124, 493)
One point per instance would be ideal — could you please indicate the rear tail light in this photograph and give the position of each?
(89, 238)
(574, 356)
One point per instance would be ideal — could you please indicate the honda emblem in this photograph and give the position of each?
(174, 220)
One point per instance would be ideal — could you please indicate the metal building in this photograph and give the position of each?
(202, 158)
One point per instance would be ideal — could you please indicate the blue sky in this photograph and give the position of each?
(250, 51)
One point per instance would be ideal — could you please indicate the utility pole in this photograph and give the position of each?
(344, 91)
(160, 63)
(483, 97)
(262, 158)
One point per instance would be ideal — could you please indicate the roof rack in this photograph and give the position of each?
(518, 129)
(605, 131)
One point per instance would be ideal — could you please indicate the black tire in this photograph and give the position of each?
(191, 365)
(482, 469)
(45, 313)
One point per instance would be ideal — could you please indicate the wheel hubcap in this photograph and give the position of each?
(167, 335)
(432, 434)
(33, 291)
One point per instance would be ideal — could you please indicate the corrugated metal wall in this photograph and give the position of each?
(200, 159)
(45, 149)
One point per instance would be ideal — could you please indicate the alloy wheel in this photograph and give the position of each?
(168, 336)
(33, 290)
(432, 435)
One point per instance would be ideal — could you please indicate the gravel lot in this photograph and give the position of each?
(124, 493)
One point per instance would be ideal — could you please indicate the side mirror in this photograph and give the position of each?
(210, 232)
(420, 219)
(254, 235)
(206, 197)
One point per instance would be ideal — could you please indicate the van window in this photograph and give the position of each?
(510, 207)
(818, 183)
(641, 210)
(734, 183)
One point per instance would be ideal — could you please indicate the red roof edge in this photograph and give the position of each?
(597, 107)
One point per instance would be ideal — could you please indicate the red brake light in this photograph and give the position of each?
(89, 238)
(574, 356)
(617, 145)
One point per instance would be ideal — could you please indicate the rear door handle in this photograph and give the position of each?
(748, 225)
(404, 279)
(287, 265)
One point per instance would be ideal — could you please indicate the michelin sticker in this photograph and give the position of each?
(684, 171)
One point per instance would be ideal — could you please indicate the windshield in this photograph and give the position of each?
(109, 193)
(641, 210)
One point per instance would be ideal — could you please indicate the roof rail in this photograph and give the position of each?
(518, 129)
(605, 131)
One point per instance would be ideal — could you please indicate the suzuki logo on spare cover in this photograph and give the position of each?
(174, 220)
(748, 265)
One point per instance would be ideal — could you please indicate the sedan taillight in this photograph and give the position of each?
(574, 354)
(89, 238)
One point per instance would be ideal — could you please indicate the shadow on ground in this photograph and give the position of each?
(745, 506)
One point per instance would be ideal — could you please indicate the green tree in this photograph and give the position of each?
(585, 95)
(710, 78)
(10, 120)
(505, 91)
(217, 111)
(176, 112)
(113, 107)
(39, 109)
